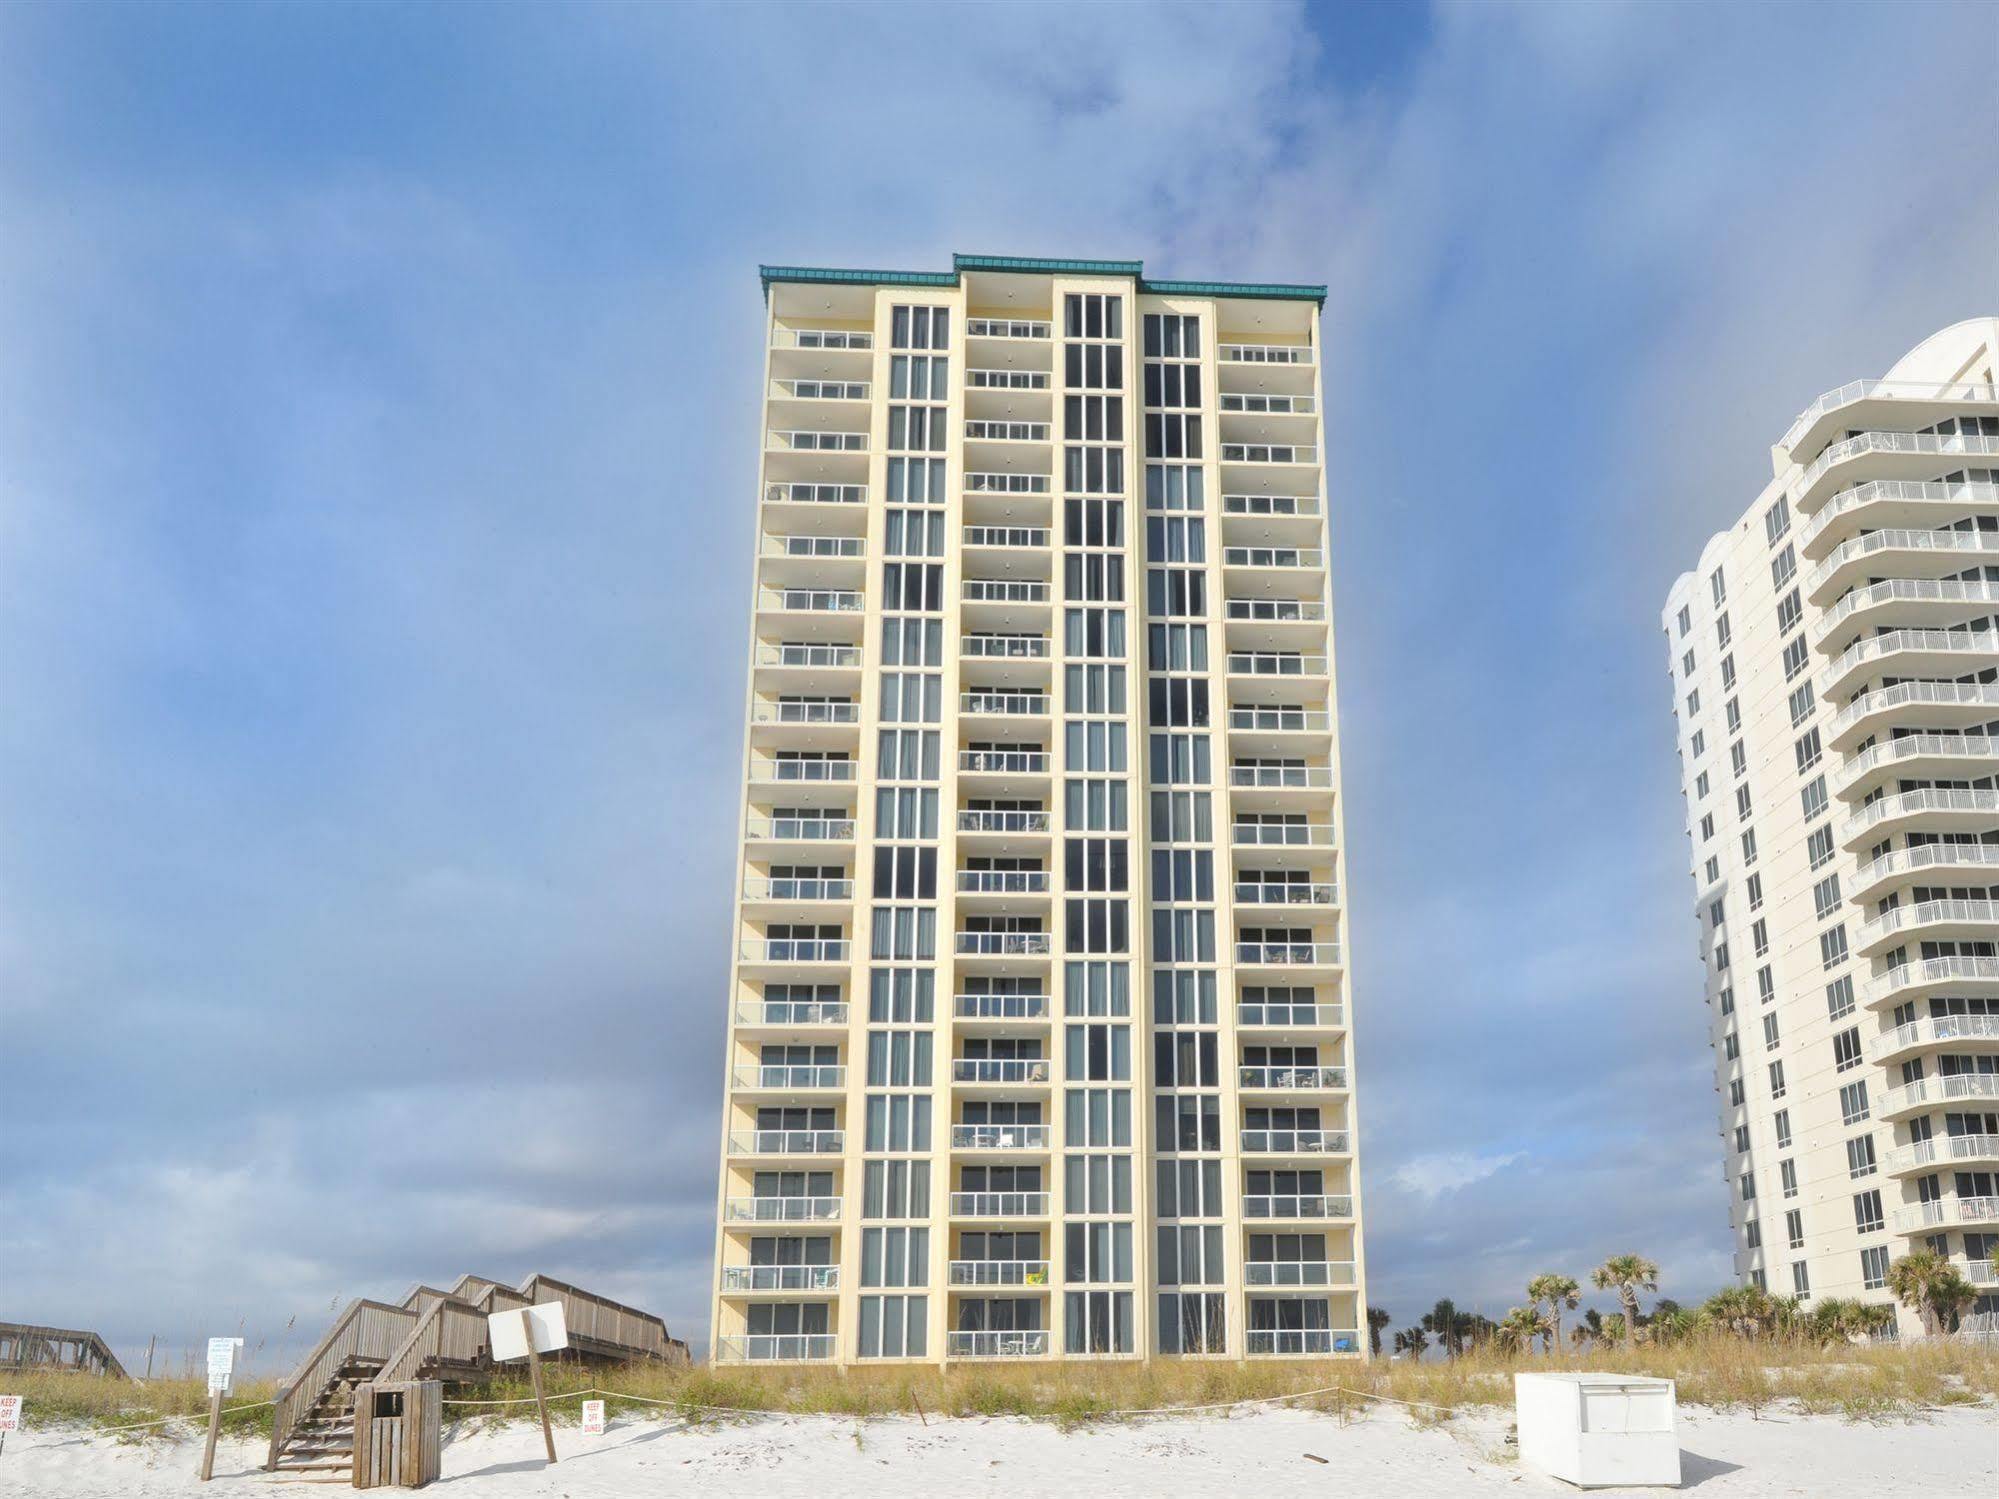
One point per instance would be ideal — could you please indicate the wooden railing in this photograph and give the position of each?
(600, 1318)
(365, 1330)
(447, 1332)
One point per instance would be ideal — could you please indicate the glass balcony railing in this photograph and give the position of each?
(795, 950)
(805, 441)
(787, 1142)
(822, 338)
(780, 1348)
(787, 888)
(1281, 611)
(815, 712)
(1005, 647)
(977, 430)
(830, 657)
(1006, 536)
(800, 829)
(790, 1077)
(1298, 1272)
(1006, 483)
(1264, 405)
(1281, 720)
(1005, 591)
(823, 390)
(1292, 954)
(1000, 1006)
(1266, 353)
(1003, 762)
(780, 1277)
(1309, 1205)
(1006, 379)
(1003, 944)
(1271, 504)
(1275, 664)
(1002, 882)
(1248, 1012)
(815, 494)
(1282, 834)
(1301, 1340)
(783, 1209)
(811, 600)
(1294, 1141)
(999, 1137)
(1269, 452)
(999, 1204)
(1000, 327)
(1307, 1078)
(1016, 1070)
(999, 1272)
(1002, 822)
(791, 1012)
(786, 545)
(996, 1344)
(1272, 557)
(1284, 893)
(1024, 703)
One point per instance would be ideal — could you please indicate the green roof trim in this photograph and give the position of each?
(1275, 291)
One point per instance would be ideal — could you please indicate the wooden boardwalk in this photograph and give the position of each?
(59, 1349)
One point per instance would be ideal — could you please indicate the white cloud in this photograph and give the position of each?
(1432, 1176)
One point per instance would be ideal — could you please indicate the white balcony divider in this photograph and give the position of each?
(783, 1209)
(811, 441)
(999, 1204)
(1273, 557)
(1003, 327)
(816, 494)
(1306, 505)
(823, 339)
(1310, 1079)
(776, 1348)
(790, 888)
(1000, 1137)
(1018, 1070)
(977, 821)
(791, 1012)
(1294, 1142)
(780, 1277)
(999, 1272)
(980, 430)
(1002, 882)
(1298, 1205)
(996, 1344)
(1006, 379)
(1006, 483)
(786, 1076)
(1283, 893)
(1887, 390)
(1003, 762)
(1266, 353)
(787, 1142)
(1297, 1272)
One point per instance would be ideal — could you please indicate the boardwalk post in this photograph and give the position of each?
(214, 1425)
(534, 1373)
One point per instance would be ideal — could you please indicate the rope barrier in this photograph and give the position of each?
(105, 1431)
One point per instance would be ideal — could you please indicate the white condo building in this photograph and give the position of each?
(1835, 665)
(1039, 1028)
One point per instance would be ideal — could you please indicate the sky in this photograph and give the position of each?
(378, 406)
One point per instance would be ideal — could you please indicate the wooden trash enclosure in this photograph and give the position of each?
(398, 1433)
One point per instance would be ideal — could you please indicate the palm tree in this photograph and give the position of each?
(1746, 1311)
(1929, 1285)
(1627, 1275)
(1588, 1330)
(1377, 1318)
(1520, 1327)
(1554, 1291)
(1445, 1320)
(1412, 1341)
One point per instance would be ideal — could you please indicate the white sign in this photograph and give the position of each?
(509, 1339)
(10, 1412)
(221, 1363)
(593, 1418)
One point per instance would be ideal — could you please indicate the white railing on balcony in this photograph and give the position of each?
(1271, 504)
(787, 545)
(1006, 379)
(1003, 702)
(1279, 1078)
(1269, 452)
(1900, 491)
(1262, 405)
(1301, 1340)
(999, 1069)
(1281, 835)
(1916, 803)
(1915, 694)
(999, 1204)
(783, 1209)
(1932, 1030)
(787, 1142)
(978, 430)
(1006, 536)
(1874, 647)
(1005, 591)
(1266, 353)
(1942, 1148)
(1297, 1272)
(806, 713)
(1252, 1013)
(822, 338)
(996, 1344)
(1275, 664)
(1926, 971)
(1306, 611)
(787, 888)
(1284, 893)
(999, 1272)
(1002, 822)
(777, 1348)
(1903, 591)
(1926, 856)
(1282, 720)
(1003, 944)
(1281, 777)
(1007, 483)
(824, 390)
(1946, 1210)
(1901, 444)
(816, 494)
(795, 950)
(780, 1277)
(806, 441)
(812, 600)
(1297, 1205)
(1000, 1137)
(791, 1012)
(1283, 954)
(800, 829)
(1294, 1142)
(1981, 1272)
(1898, 540)
(1887, 390)
(1926, 913)
(1928, 1091)
(1005, 647)
(1913, 747)
(1000, 1006)
(787, 1076)
(1002, 882)
(837, 657)
(1272, 557)
(1004, 327)
(1003, 762)
(811, 772)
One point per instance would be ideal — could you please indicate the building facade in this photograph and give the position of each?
(1039, 1028)
(1835, 666)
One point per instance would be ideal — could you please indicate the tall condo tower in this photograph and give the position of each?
(1835, 664)
(1038, 1013)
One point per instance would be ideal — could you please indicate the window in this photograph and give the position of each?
(1097, 1322)
(1832, 946)
(1727, 672)
(1839, 997)
(1801, 1281)
(1718, 586)
(1732, 711)
(1741, 1138)
(1738, 758)
(1801, 705)
(1789, 611)
(1807, 751)
(1766, 984)
(1707, 827)
(1754, 887)
(1748, 1184)
(1699, 744)
(1721, 632)
(1860, 1156)
(1796, 656)
(1686, 621)
(1749, 845)
(920, 328)
(1825, 896)
(1730, 1047)
(1714, 913)
(1759, 936)
(1819, 847)
(1846, 1050)
(894, 1326)
(1813, 799)
(1787, 1174)
(1782, 1123)
(1700, 786)
(1742, 803)
(1687, 664)
(1713, 869)
(1736, 1096)
(1853, 1102)
(1756, 1278)
(1776, 1080)
(1794, 1228)
(1752, 1234)
(1770, 1037)
(1874, 1267)
(1776, 521)
(1867, 1215)
(1728, 1001)
(1784, 567)
(1693, 702)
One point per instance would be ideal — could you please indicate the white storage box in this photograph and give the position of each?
(1598, 1430)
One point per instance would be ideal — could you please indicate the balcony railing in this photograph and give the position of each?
(787, 545)
(1000, 1006)
(824, 390)
(1947, 1210)
(1931, 971)
(1006, 536)
(1281, 720)
(1275, 664)
(1297, 1272)
(785, 1077)
(811, 600)
(1268, 452)
(1301, 1340)
(1939, 642)
(791, 1012)
(1282, 835)
(1272, 557)
(1281, 777)
(1913, 491)
(822, 338)
(1297, 1205)
(1002, 822)
(800, 829)
(1291, 1078)
(977, 430)
(1931, 1091)
(1003, 702)
(1006, 379)
(807, 713)
(1294, 1142)
(999, 1137)
(1981, 1272)
(1913, 803)
(1899, 541)
(1939, 1149)
(1282, 954)
(1003, 762)
(787, 1142)
(780, 1277)
(1005, 591)
(1261, 405)
(1283, 611)
(1006, 483)
(999, 1272)
(1016, 1070)
(1271, 504)
(1250, 1013)
(783, 1209)
(1002, 327)
(1887, 390)
(795, 950)
(808, 771)
(1915, 694)
(999, 1204)
(836, 657)
(819, 442)
(816, 494)
(1914, 747)
(1283, 893)
(1266, 353)
(1904, 444)
(1904, 591)
(1004, 647)
(1933, 1030)
(777, 1348)
(996, 1344)
(1003, 944)
(1927, 913)
(1002, 882)
(788, 888)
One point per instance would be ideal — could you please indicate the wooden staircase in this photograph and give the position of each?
(323, 1441)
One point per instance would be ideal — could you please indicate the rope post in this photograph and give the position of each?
(534, 1372)
(214, 1426)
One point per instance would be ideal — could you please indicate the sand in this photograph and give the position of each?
(1952, 1453)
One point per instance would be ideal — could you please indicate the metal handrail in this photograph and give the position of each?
(1005, 647)
(1292, 720)
(1005, 591)
(1917, 444)
(1931, 971)
(1902, 591)
(1915, 694)
(990, 327)
(1021, 1343)
(1925, 856)
(1933, 1029)
(1913, 747)
(1275, 664)
(981, 429)
(981, 379)
(1890, 390)
(1873, 647)
(1911, 803)
(1943, 1148)
(1924, 491)
(823, 390)
(996, 701)
(829, 712)
(812, 600)
(805, 544)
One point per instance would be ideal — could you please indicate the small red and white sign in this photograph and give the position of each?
(10, 1412)
(593, 1418)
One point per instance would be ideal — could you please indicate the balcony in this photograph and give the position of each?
(1016, 1072)
(1981, 1272)
(1284, 893)
(1257, 1016)
(1006, 379)
(996, 1344)
(1281, 834)
(1287, 954)
(1926, 1094)
(1897, 551)
(784, 1078)
(806, 657)
(775, 1348)
(1245, 404)
(803, 950)
(1006, 538)
(742, 1278)
(1947, 1212)
(1000, 1137)
(1269, 452)
(1002, 882)
(999, 1204)
(1310, 1207)
(787, 1142)
(799, 830)
(1003, 704)
(815, 494)
(1274, 506)
(1912, 601)
(783, 1209)
(1285, 664)
(1000, 1006)
(1002, 822)
(1005, 483)
(1932, 809)
(1006, 591)
(1917, 402)
(811, 440)
(1009, 328)
(1931, 975)
(1978, 861)
(791, 892)
(1282, 559)
(1304, 1340)
(1942, 1150)
(1265, 354)
(1931, 1031)
(1297, 1272)
(1901, 652)
(982, 430)
(1275, 611)
(1290, 1079)
(1969, 704)
(810, 601)
(1294, 1142)
(819, 390)
(1949, 756)
(1882, 455)
(821, 339)
(789, 1014)
(999, 1272)
(1004, 647)
(1276, 720)
(1933, 918)
(1006, 772)
(1887, 504)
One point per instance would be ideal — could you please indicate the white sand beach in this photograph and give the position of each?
(1381, 1456)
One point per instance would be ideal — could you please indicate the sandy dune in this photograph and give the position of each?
(1956, 1453)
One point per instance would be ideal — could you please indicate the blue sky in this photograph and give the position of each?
(377, 410)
